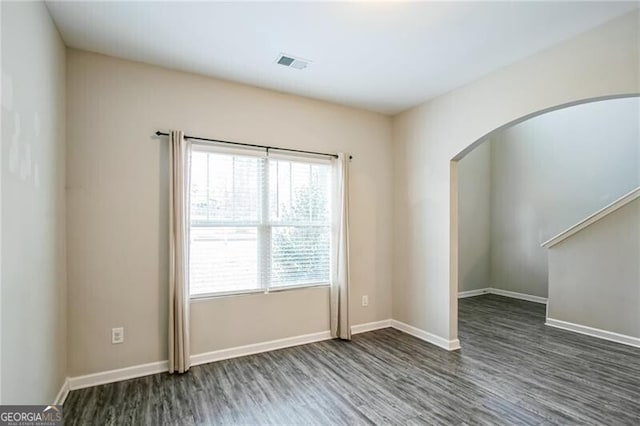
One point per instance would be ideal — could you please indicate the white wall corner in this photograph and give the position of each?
(63, 393)
(454, 345)
(370, 326)
(594, 332)
(450, 345)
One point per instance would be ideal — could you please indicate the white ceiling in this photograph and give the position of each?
(380, 56)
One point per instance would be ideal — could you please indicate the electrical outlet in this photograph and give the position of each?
(365, 300)
(117, 335)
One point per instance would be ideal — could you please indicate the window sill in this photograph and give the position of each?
(206, 296)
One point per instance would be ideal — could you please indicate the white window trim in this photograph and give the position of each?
(264, 223)
(204, 296)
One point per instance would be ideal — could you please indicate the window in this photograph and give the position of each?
(257, 223)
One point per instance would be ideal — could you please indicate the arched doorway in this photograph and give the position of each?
(454, 192)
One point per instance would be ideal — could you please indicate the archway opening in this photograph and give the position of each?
(458, 217)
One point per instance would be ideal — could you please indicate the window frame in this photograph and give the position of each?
(264, 223)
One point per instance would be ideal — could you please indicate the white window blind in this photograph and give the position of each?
(257, 223)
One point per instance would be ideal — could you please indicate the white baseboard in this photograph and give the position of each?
(450, 345)
(515, 295)
(117, 375)
(500, 292)
(594, 332)
(135, 371)
(62, 394)
(255, 348)
(472, 293)
(370, 326)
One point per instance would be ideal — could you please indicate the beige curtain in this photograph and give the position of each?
(340, 322)
(179, 157)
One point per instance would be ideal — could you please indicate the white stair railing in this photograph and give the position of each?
(617, 204)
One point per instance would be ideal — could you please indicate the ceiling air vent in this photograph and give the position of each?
(292, 62)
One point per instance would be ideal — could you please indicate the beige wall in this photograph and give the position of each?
(118, 218)
(551, 172)
(232, 321)
(594, 275)
(474, 232)
(33, 219)
(602, 62)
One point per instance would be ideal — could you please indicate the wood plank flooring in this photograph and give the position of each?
(512, 369)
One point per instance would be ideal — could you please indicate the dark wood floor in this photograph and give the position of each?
(511, 370)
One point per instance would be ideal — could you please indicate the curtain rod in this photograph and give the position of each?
(159, 133)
